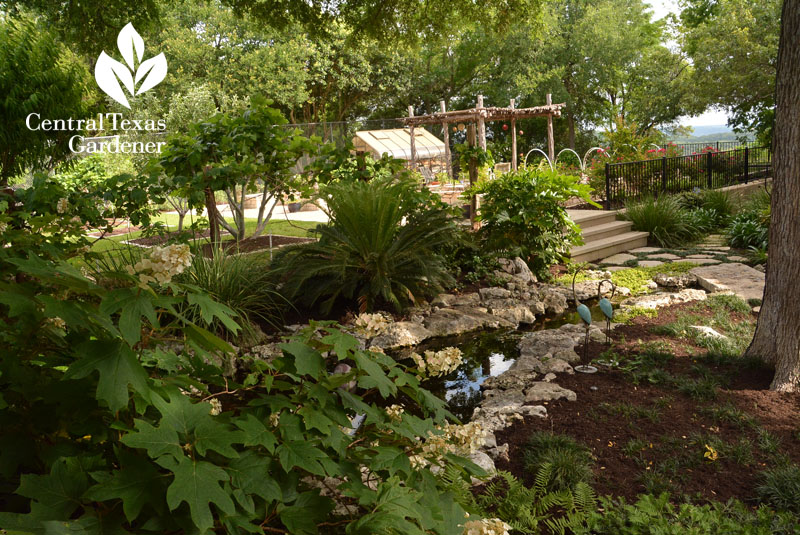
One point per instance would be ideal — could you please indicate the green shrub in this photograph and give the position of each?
(668, 223)
(366, 254)
(568, 462)
(781, 488)
(719, 201)
(651, 515)
(522, 214)
(748, 230)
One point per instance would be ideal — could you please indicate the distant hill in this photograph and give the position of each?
(704, 134)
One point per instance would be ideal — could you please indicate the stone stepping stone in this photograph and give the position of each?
(716, 247)
(616, 268)
(646, 250)
(618, 259)
(736, 258)
(663, 256)
(742, 280)
(650, 263)
(692, 256)
(704, 261)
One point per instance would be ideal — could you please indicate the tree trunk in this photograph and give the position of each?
(777, 336)
(213, 217)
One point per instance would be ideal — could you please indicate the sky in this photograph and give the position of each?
(662, 8)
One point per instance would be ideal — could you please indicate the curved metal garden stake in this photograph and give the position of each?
(605, 305)
(586, 316)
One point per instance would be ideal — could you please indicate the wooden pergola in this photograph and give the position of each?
(476, 119)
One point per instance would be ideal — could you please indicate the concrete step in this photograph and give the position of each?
(606, 230)
(592, 218)
(605, 247)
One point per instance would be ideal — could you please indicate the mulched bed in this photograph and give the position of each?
(261, 243)
(245, 246)
(674, 430)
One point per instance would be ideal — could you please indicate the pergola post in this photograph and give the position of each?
(446, 136)
(481, 124)
(473, 176)
(513, 139)
(551, 144)
(413, 141)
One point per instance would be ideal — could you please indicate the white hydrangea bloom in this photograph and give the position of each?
(62, 205)
(274, 419)
(437, 363)
(162, 264)
(395, 412)
(456, 439)
(371, 324)
(3, 227)
(486, 526)
(216, 407)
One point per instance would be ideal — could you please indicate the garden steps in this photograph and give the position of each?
(603, 235)
(594, 250)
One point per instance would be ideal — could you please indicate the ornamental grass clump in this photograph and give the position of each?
(669, 223)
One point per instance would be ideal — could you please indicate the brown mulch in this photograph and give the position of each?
(674, 433)
(261, 243)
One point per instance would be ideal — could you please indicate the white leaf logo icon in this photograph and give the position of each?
(112, 75)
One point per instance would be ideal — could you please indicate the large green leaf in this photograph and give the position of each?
(256, 433)
(198, 484)
(58, 494)
(302, 455)
(136, 483)
(251, 474)
(132, 304)
(307, 360)
(157, 441)
(210, 309)
(118, 367)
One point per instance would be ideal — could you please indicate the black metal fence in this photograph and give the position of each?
(628, 181)
(694, 148)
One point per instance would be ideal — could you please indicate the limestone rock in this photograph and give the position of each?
(678, 282)
(484, 461)
(458, 320)
(517, 378)
(664, 299)
(443, 300)
(516, 314)
(555, 302)
(401, 334)
(466, 300)
(706, 331)
(542, 391)
(742, 280)
(494, 292)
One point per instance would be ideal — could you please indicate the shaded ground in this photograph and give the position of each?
(672, 415)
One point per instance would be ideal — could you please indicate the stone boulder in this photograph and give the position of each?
(742, 280)
(542, 391)
(554, 300)
(516, 314)
(501, 416)
(676, 282)
(518, 378)
(401, 334)
(459, 320)
(494, 292)
(654, 301)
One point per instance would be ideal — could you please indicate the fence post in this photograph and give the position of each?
(664, 175)
(608, 187)
(746, 164)
(709, 162)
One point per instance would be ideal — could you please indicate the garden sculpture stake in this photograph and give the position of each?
(586, 316)
(605, 305)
